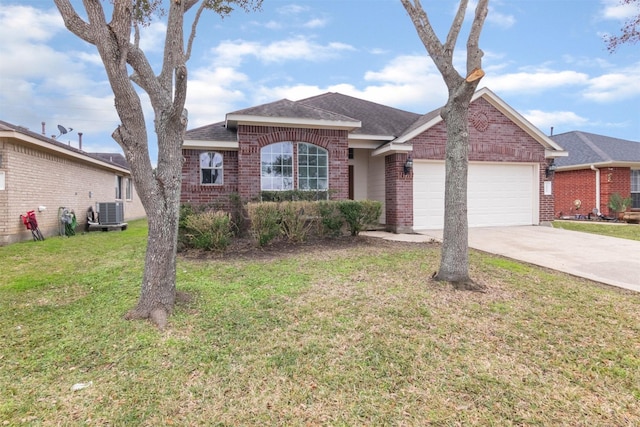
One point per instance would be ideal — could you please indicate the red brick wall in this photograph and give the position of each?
(399, 194)
(575, 185)
(493, 137)
(215, 195)
(241, 168)
(252, 138)
(581, 184)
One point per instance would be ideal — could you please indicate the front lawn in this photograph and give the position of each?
(613, 229)
(351, 333)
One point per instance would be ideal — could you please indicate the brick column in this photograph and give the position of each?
(399, 194)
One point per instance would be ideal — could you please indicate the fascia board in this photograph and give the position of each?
(600, 165)
(59, 150)
(417, 131)
(199, 144)
(549, 154)
(392, 149)
(295, 122)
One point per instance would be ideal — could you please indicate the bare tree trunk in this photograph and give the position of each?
(455, 243)
(454, 264)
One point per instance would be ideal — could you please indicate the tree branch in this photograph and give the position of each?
(456, 25)
(474, 53)
(73, 22)
(194, 25)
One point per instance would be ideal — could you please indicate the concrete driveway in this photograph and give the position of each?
(603, 259)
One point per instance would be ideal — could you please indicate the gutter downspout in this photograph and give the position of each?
(593, 168)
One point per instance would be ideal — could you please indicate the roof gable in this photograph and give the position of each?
(432, 118)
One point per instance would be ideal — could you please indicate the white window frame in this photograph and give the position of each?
(215, 164)
(303, 169)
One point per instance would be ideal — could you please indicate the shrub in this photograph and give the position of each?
(297, 219)
(360, 214)
(294, 195)
(265, 221)
(331, 219)
(208, 230)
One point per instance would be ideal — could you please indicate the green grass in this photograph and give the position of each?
(342, 335)
(621, 230)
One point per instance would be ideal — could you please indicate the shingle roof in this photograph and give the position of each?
(377, 119)
(115, 159)
(213, 132)
(292, 109)
(588, 148)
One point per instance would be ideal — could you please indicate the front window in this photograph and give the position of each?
(312, 167)
(276, 163)
(635, 188)
(278, 168)
(211, 168)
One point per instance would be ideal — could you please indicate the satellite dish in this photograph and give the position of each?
(63, 130)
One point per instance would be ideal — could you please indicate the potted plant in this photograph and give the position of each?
(619, 204)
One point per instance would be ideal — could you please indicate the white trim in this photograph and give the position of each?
(600, 165)
(371, 145)
(201, 144)
(505, 109)
(372, 137)
(392, 149)
(293, 122)
(48, 146)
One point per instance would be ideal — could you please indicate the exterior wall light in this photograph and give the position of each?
(408, 165)
(550, 169)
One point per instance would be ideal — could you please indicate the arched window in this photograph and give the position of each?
(211, 168)
(278, 169)
(277, 166)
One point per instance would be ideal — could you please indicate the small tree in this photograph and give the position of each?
(118, 43)
(454, 264)
(630, 31)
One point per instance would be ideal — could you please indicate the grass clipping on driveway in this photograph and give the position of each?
(348, 334)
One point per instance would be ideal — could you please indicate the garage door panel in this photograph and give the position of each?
(497, 195)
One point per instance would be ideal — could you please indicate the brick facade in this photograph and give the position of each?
(493, 137)
(399, 194)
(241, 168)
(581, 185)
(35, 177)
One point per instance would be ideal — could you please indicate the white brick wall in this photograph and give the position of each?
(34, 177)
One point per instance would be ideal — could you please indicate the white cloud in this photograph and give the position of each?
(315, 23)
(614, 87)
(152, 37)
(213, 93)
(535, 81)
(614, 9)
(292, 9)
(231, 53)
(544, 120)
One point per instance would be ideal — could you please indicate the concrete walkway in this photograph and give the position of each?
(607, 260)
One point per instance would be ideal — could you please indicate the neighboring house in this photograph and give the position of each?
(36, 171)
(359, 149)
(597, 167)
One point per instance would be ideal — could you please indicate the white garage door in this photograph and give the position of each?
(498, 195)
